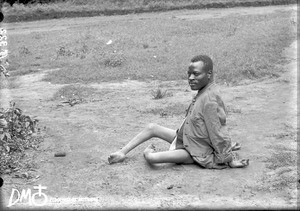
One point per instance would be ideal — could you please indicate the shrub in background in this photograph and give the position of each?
(18, 132)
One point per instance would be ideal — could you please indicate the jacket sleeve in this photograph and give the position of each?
(220, 141)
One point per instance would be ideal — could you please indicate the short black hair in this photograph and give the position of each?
(208, 63)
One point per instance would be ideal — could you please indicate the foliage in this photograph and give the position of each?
(18, 132)
(158, 94)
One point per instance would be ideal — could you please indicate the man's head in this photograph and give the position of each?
(200, 72)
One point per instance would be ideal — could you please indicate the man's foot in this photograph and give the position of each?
(116, 157)
(239, 163)
(149, 149)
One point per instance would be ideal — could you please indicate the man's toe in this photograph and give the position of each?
(110, 159)
(245, 162)
(236, 146)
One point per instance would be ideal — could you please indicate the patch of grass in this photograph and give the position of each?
(169, 110)
(232, 109)
(24, 51)
(114, 60)
(289, 133)
(76, 52)
(252, 51)
(287, 179)
(158, 93)
(281, 147)
(145, 46)
(74, 92)
(283, 162)
(282, 135)
(21, 72)
(281, 172)
(281, 159)
(284, 180)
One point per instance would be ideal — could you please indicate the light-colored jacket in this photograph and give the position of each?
(205, 135)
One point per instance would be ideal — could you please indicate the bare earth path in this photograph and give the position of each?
(262, 117)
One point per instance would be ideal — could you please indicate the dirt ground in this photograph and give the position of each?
(262, 117)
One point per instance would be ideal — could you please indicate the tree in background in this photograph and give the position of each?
(11, 2)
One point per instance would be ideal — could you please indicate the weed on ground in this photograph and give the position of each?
(168, 111)
(158, 93)
(74, 92)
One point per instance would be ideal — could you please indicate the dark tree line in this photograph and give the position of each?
(11, 2)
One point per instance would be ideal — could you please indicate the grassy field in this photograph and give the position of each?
(82, 8)
(242, 47)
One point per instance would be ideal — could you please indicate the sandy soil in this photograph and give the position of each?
(260, 112)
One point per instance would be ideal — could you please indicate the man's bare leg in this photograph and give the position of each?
(151, 131)
(174, 156)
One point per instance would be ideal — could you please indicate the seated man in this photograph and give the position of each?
(202, 137)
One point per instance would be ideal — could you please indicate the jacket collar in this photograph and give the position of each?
(209, 85)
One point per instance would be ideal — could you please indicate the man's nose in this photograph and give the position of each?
(191, 77)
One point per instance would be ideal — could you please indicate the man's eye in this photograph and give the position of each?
(193, 73)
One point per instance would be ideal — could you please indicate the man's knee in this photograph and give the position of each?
(152, 127)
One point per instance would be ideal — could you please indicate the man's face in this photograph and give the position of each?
(198, 78)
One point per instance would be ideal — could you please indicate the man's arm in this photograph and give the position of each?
(220, 142)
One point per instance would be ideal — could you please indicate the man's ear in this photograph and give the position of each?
(209, 74)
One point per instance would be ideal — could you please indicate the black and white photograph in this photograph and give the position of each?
(148, 105)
